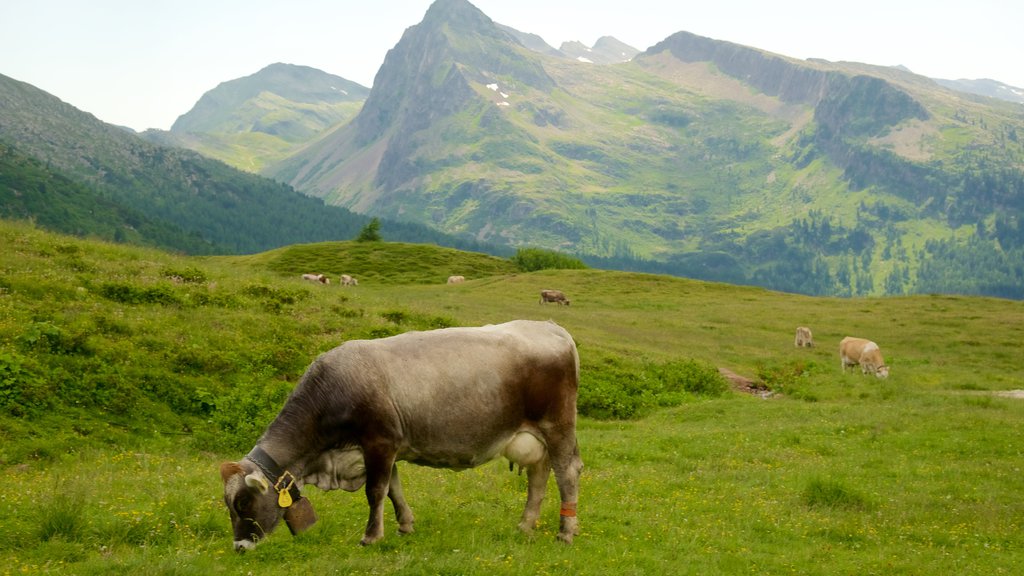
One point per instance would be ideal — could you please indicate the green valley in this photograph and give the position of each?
(127, 374)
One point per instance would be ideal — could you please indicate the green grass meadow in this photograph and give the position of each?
(127, 375)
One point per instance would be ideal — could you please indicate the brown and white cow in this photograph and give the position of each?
(347, 280)
(456, 279)
(317, 278)
(556, 296)
(859, 351)
(451, 398)
(803, 339)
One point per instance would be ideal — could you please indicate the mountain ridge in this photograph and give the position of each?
(697, 157)
(72, 173)
(470, 141)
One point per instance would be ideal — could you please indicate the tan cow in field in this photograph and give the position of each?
(456, 279)
(317, 278)
(347, 280)
(858, 351)
(803, 338)
(555, 296)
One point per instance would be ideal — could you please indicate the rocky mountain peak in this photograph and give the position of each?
(427, 75)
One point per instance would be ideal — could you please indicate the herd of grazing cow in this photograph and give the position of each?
(345, 279)
(506, 390)
(546, 295)
(852, 352)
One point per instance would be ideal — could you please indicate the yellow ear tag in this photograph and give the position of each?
(284, 498)
(283, 487)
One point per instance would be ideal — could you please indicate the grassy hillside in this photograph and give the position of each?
(127, 375)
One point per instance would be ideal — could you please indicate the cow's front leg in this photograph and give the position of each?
(402, 510)
(379, 464)
(537, 485)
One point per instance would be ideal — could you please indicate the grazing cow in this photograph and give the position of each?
(456, 279)
(347, 280)
(553, 296)
(317, 278)
(450, 398)
(803, 338)
(854, 351)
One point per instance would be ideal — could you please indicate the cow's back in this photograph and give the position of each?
(854, 348)
(456, 395)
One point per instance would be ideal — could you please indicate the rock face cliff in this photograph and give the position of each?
(844, 105)
(428, 77)
(607, 50)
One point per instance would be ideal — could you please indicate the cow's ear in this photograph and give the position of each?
(229, 469)
(256, 481)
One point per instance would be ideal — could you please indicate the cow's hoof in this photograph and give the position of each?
(565, 537)
(526, 527)
(406, 529)
(367, 540)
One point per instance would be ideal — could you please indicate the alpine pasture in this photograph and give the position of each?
(127, 375)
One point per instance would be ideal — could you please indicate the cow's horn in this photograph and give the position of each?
(229, 469)
(256, 481)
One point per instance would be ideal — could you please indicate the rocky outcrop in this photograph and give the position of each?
(845, 106)
(607, 50)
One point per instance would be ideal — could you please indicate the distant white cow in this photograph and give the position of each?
(858, 351)
(317, 278)
(347, 280)
(803, 338)
(456, 279)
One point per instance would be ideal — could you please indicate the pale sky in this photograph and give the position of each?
(143, 63)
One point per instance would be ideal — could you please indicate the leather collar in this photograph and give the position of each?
(274, 473)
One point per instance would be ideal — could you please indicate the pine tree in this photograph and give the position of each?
(370, 232)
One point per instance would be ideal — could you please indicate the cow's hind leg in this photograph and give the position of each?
(402, 510)
(566, 461)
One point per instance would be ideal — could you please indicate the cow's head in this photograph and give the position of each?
(882, 372)
(256, 505)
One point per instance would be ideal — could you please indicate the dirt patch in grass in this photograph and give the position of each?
(1010, 394)
(744, 384)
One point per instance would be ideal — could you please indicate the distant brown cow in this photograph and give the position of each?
(553, 296)
(803, 338)
(858, 351)
(456, 279)
(317, 278)
(347, 280)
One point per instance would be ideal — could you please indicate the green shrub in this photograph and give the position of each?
(187, 274)
(22, 392)
(533, 259)
(275, 299)
(131, 294)
(394, 316)
(92, 382)
(612, 388)
(243, 412)
(691, 377)
(613, 395)
(50, 338)
(789, 378)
